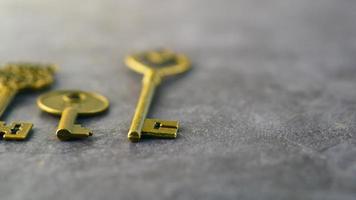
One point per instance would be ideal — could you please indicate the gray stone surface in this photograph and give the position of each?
(268, 112)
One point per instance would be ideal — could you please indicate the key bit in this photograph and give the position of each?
(160, 128)
(74, 132)
(15, 131)
(70, 104)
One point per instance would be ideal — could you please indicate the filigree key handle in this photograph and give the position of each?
(154, 65)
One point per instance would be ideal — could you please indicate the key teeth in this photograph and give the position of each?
(77, 132)
(160, 128)
(15, 131)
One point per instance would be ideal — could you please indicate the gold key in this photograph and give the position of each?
(69, 104)
(17, 77)
(154, 65)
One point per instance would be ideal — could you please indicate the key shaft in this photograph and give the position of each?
(149, 83)
(7, 94)
(68, 118)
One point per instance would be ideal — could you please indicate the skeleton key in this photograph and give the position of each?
(15, 78)
(69, 104)
(154, 65)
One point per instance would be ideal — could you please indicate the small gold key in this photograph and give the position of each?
(154, 65)
(17, 77)
(69, 104)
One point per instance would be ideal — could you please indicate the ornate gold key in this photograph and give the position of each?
(15, 78)
(69, 104)
(154, 65)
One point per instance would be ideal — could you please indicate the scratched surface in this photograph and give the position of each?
(268, 112)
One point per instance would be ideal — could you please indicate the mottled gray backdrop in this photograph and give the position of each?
(268, 111)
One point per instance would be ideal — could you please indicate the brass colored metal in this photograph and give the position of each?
(15, 131)
(70, 104)
(14, 78)
(160, 128)
(154, 65)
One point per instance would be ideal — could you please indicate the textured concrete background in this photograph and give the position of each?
(268, 112)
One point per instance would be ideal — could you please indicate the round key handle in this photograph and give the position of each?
(86, 103)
